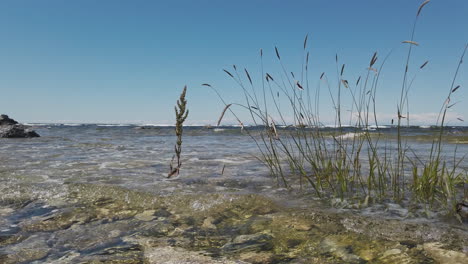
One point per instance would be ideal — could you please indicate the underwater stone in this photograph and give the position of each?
(332, 246)
(208, 223)
(33, 248)
(255, 242)
(254, 257)
(174, 255)
(462, 211)
(126, 253)
(146, 216)
(436, 251)
(394, 251)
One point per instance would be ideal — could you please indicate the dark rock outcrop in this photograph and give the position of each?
(5, 120)
(9, 128)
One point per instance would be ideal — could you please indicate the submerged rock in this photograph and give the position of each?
(109, 224)
(441, 255)
(339, 250)
(33, 248)
(175, 255)
(255, 242)
(462, 211)
(10, 128)
(146, 216)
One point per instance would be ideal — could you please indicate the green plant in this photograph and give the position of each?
(181, 114)
(344, 162)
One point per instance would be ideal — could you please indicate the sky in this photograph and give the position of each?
(115, 61)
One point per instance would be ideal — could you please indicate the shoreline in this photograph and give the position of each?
(108, 223)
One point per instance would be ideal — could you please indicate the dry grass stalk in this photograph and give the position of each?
(373, 60)
(424, 64)
(411, 42)
(273, 128)
(422, 5)
(277, 53)
(222, 114)
(248, 75)
(181, 112)
(299, 85)
(269, 76)
(232, 76)
(345, 83)
(305, 41)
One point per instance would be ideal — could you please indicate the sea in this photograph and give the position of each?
(135, 156)
(215, 160)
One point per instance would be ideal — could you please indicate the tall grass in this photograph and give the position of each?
(349, 161)
(181, 112)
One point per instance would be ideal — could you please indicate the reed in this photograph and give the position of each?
(181, 112)
(349, 163)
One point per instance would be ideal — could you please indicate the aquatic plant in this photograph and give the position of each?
(349, 161)
(181, 114)
(437, 181)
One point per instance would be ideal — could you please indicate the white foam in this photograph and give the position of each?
(72, 124)
(157, 125)
(375, 126)
(350, 135)
(114, 125)
(230, 161)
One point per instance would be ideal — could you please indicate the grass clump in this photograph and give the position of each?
(181, 112)
(352, 160)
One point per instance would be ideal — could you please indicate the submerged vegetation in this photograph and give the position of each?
(364, 165)
(181, 114)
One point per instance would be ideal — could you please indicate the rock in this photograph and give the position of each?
(253, 257)
(441, 255)
(58, 221)
(367, 254)
(17, 131)
(175, 255)
(208, 223)
(9, 128)
(33, 248)
(123, 253)
(255, 242)
(462, 211)
(5, 120)
(146, 216)
(341, 251)
(390, 252)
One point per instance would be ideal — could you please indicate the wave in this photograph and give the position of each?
(379, 127)
(115, 125)
(157, 125)
(350, 135)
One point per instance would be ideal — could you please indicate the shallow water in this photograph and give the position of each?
(39, 178)
(215, 160)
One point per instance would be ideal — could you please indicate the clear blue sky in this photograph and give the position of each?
(127, 61)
